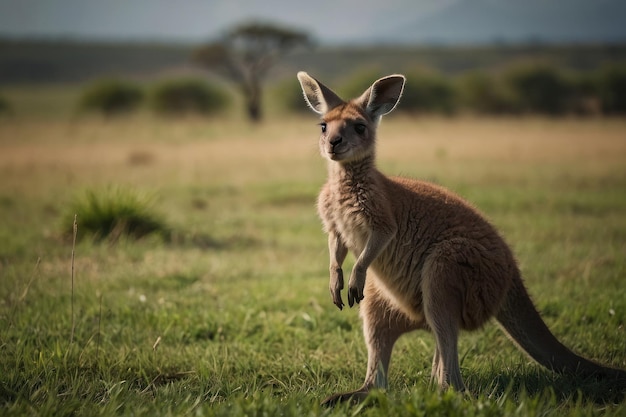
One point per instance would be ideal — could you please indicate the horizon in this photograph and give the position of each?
(397, 22)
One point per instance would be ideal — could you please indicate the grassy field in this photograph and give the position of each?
(231, 315)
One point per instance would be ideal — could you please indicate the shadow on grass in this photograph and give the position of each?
(205, 241)
(600, 391)
(171, 237)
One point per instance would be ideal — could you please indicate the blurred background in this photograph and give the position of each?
(490, 57)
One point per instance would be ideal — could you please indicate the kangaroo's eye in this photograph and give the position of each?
(359, 128)
(323, 126)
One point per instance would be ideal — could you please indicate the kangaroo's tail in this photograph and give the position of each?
(521, 321)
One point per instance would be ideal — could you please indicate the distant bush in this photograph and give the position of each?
(111, 97)
(187, 96)
(539, 89)
(357, 83)
(484, 93)
(611, 89)
(519, 89)
(113, 213)
(5, 106)
(428, 92)
(289, 96)
(584, 98)
(425, 91)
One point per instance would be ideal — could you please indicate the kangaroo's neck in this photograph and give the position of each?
(353, 175)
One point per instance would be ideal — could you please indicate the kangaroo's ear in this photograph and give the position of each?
(319, 97)
(383, 96)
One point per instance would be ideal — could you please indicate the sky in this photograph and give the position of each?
(329, 21)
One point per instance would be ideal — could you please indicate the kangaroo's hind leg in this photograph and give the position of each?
(444, 280)
(441, 320)
(463, 284)
(383, 324)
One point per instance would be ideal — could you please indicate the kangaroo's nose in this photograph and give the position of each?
(336, 141)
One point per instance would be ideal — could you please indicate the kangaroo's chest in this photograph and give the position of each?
(349, 215)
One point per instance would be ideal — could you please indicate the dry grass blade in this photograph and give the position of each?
(30, 282)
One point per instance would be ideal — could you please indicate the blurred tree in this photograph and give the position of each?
(246, 53)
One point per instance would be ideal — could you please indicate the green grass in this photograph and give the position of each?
(235, 318)
(114, 213)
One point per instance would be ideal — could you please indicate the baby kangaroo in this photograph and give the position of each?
(433, 261)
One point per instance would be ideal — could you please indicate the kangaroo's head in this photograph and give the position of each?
(349, 128)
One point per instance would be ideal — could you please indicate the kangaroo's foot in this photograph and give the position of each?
(353, 397)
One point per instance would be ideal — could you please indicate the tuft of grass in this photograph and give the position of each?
(115, 212)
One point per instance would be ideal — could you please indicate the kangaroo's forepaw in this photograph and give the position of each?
(356, 286)
(338, 301)
(354, 296)
(336, 285)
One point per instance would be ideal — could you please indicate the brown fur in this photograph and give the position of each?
(433, 261)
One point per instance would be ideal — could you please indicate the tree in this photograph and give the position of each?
(246, 53)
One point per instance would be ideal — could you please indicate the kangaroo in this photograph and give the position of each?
(432, 260)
